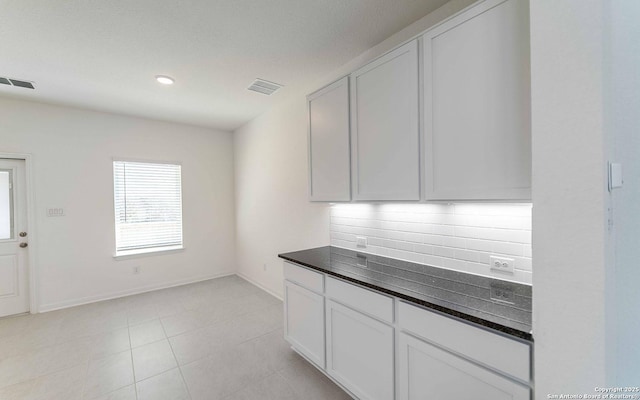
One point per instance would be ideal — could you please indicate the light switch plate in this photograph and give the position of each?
(615, 176)
(361, 241)
(55, 212)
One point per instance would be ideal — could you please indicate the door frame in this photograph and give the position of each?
(31, 226)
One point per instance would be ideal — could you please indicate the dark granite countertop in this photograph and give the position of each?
(466, 296)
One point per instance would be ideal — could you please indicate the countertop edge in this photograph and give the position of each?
(470, 318)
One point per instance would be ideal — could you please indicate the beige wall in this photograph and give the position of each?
(273, 213)
(570, 201)
(72, 152)
(623, 102)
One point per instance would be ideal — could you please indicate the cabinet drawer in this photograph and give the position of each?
(360, 299)
(303, 277)
(506, 355)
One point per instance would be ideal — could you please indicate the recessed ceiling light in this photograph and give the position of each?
(165, 80)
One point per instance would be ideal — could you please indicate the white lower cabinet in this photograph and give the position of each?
(381, 348)
(304, 321)
(426, 372)
(360, 353)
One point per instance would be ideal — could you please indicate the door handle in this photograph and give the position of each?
(24, 244)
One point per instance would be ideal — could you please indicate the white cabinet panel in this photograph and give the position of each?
(477, 104)
(329, 158)
(361, 299)
(303, 277)
(429, 373)
(360, 353)
(510, 356)
(304, 321)
(384, 127)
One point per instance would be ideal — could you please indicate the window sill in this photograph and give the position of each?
(123, 255)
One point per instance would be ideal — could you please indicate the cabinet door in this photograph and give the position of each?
(477, 104)
(385, 150)
(329, 158)
(304, 321)
(359, 353)
(429, 373)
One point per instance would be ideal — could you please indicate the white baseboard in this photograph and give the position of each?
(149, 288)
(254, 283)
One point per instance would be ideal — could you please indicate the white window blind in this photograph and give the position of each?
(148, 206)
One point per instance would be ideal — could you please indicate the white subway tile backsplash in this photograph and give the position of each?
(454, 236)
(453, 241)
(479, 244)
(443, 251)
(466, 255)
(527, 251)
(433, 260)
(413, 237)
(510, 249)
(483, 258)
(524, 263)
(432, 239)
(448, 230)
(454, 263)
(424, 248)
(406, 246)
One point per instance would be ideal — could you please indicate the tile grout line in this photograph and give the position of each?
(184, 381)
(236, 344)
(35, 377)
(86, 375)
(93, 339)
(133, 368)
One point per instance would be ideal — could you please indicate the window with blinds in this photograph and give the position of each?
(148, 206)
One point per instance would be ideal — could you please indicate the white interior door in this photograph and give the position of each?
(14, 277)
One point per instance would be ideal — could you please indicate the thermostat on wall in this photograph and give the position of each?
(55, 212)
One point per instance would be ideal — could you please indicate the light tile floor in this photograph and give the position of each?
(218, 339)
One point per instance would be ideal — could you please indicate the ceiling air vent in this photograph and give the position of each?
(264, 87)
(17, 82)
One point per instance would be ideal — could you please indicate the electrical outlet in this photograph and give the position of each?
(361, 241)
(502, 293)
(361, 260)
(502, 264)
(136, 270)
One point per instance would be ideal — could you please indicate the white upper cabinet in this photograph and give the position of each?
(477, 104)
(329, 165)
(385, 152)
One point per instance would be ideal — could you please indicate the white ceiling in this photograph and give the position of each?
(104, 54)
